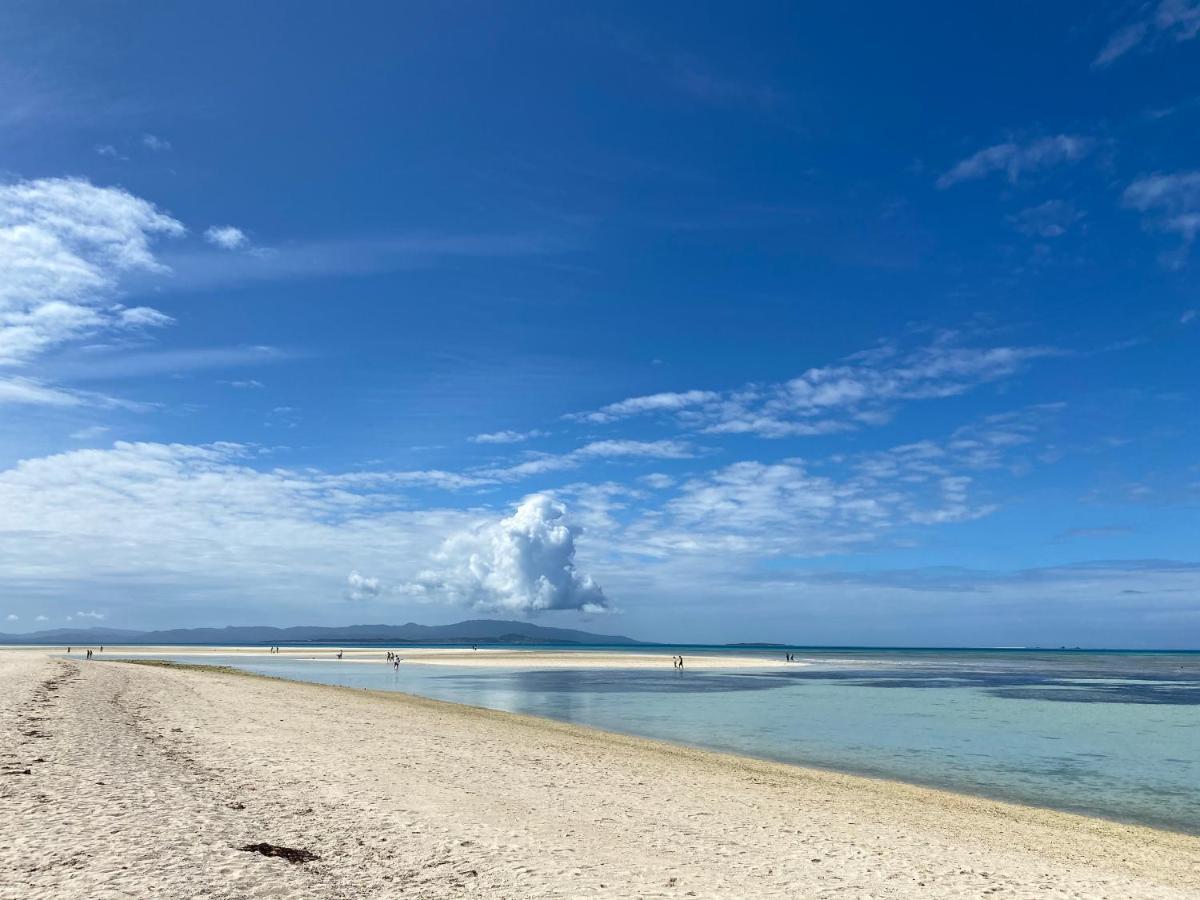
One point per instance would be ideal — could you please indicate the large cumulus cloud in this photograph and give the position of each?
(523, 563)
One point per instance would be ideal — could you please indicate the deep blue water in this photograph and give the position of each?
(1114, 734)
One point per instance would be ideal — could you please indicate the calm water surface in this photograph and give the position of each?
(1114, 734)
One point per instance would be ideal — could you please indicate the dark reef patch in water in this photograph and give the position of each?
(1074, 686)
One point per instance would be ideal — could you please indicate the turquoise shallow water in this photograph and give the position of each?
(1108, 734)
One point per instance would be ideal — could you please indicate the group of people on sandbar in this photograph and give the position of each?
(678, 661)
(790, 657)
(394, 659)
(273, 650)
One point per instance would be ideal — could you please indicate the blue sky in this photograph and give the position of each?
(699, 322)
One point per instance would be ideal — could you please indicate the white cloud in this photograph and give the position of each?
(1169, 203)
(831, 399)
(142, 317)
(1124, 40)
(1175, 20)
(12, 617)
(157, 144)
(91, 614)
(41, 618)
(524, 563)
(30, 392)
(506, 437)
(1015, 159)
(227, 237)
(539, 465)
(360, 587)
(210, 525)
(197, 270)
(663, 402)
(1046, 220)
(64, 245)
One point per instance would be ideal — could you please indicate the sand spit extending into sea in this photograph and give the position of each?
(484, 656)
(121, 780)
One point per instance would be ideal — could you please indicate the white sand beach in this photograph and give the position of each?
(120, 780)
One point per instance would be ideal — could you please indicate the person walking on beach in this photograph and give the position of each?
(681, 661)
(396, 664)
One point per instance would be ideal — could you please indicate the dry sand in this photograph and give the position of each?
(143, 781)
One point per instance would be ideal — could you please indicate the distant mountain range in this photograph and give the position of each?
(475, 631)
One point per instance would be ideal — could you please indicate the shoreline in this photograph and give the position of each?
(597, 733)
(148, 778)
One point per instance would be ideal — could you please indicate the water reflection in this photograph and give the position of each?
(1114, 736)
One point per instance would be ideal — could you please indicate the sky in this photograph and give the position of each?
(705, 322)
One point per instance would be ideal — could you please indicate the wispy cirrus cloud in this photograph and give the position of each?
(1015, 158)
(20, 391)
(110, 363)
(200, 269)
(1051, 219)
(506, 437)
(1172, 20)
(698, 78)
(863, 390)
(591, 452)
(667, 401)
(1170, 203)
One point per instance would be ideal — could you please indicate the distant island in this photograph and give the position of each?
(474, 631)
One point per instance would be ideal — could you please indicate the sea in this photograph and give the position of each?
(1114, 734)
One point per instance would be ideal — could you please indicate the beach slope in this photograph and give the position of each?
(121, 780)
